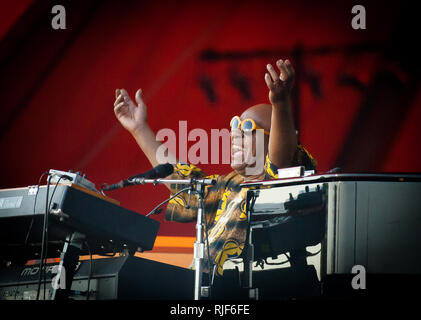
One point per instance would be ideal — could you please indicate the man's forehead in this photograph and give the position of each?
(261, 113)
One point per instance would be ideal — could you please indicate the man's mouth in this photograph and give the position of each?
(236, 149)
(237, 155)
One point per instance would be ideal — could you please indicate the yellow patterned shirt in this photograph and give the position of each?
(225, 207)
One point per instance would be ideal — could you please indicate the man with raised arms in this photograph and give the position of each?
(263, 139)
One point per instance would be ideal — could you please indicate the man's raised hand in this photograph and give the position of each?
(131, 117)
(280, 85)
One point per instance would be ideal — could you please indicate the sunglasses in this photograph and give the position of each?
(247, 125)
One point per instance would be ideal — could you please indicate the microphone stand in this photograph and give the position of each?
(198, 186)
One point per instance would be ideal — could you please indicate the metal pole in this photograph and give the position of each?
(199, 247)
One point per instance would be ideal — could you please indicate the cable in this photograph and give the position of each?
(46, 227)
(207, 245)
(311, 254)
(90, 270)
(277, 263)
(43, 239)
(107, 255)
(169, 199)
(102, 189)
(44, 242)
(33, 215)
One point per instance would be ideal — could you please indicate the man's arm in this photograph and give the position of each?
(283, 138)
(134, 119)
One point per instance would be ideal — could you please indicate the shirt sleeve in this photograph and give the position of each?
(176, 209)
(301, 158)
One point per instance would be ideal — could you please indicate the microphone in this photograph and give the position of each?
(160, 171)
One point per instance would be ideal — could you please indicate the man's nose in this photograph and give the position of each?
(236, 133)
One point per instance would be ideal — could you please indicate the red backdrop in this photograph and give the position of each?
(357, 103)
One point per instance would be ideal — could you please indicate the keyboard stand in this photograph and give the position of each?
(67, 267)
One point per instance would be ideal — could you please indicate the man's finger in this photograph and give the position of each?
(290, 68)
(118, 107)
(272, 72)
(117, 92)
(126, 96)
(118, 100)
(283, 70)
(268, 81)
(138, 97)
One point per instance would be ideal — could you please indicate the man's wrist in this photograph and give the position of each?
(140, 129)
(282, 105)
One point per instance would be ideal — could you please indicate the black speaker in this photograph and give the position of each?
(126, 277)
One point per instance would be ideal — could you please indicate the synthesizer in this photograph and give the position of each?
(107, 226)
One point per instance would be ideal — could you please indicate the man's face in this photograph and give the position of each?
(246, 153)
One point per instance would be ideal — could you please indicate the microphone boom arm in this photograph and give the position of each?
(193, 181)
